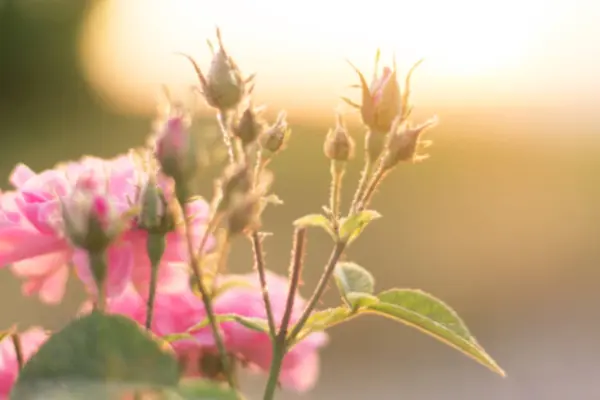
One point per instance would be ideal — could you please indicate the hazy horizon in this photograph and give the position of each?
(529, 53)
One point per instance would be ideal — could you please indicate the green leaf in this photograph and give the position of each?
(322, 320)
(358, 300)
(176, 336)
(432, 316)
(316, 220)
(105, 352)
(353, 226)
(352, 278)
(201, 389)
(256, 324)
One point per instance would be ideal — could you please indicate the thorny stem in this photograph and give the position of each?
(206, 300)
(337, 173)
(222, 119)
(370, 190)
(280, 344)
(16, 339)
(151, 296)
(312, 303)
(364, 178)
(259, 263)
(259, 260)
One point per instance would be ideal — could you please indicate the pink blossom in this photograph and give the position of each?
(178, 312)
(174, 312)
(301, 365)
(31, 340)
(34, 241)
(173, 145)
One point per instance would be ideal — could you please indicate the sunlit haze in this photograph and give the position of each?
(476, 52)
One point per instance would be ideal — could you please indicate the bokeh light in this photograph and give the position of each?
(298, 49)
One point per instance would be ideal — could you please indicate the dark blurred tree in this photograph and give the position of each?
(38, 57)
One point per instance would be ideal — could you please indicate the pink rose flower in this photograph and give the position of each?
(31, 340)
(300, 368)
(178, 312)
(33, 238)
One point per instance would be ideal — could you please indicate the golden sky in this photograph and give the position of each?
(477, 52)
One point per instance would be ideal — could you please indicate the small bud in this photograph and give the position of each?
(155, 214)
(274, 138)
(174, 148)
(249, 127)
(90, 219)
(223, 87)
(237, 181)
(383, 101)
(244, 215)
(339, 146)
(403, 143)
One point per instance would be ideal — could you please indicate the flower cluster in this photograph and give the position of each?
(53, 222)
(152, 256)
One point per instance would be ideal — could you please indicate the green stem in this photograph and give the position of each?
(222, 120)
(378, 177)
(280, 344)
(206, 299)
(155, 247)
(312, 303)
(98, 265)
(259, 260)
(364, 179)
(337, 173)
(16, 339)
(259, 263)
(276, 363)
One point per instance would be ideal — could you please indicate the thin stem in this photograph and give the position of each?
(259, 263)
(16, 339)
(279, 344)
(195, 257)
(370, 191)
(312, 303)
(151, 296)
(155, 248)
(98, 266)
(259, 260)
(337, 174)
(206, 300)
(222, 119)
(364, 178)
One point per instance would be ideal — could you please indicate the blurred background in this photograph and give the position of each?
(501, 222)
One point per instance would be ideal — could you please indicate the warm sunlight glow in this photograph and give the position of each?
(298, 48)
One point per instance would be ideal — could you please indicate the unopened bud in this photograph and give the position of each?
(339, 146)
(236, 182)
(244, 215)
(383, 101)
(90, 219)
(174, 149)
(403, 144)
(155, 215)
(223, 87)
(249, 127)
(274, 138)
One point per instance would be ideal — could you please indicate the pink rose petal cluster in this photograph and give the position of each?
(34, 241)
(179, 312)
(31, 340)
(300, 367)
